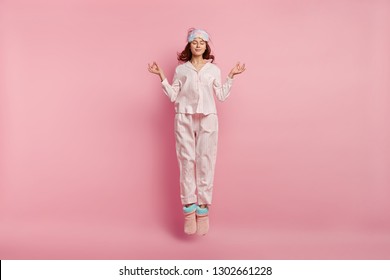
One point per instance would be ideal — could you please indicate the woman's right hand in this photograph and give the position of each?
(155, 69)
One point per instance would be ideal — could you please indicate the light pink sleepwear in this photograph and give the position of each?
(196, 127)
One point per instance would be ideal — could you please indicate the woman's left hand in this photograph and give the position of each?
(238, 69)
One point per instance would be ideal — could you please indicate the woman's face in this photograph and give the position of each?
(198, 47)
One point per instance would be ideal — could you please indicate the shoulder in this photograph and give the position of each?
(214, 68)
(180, 68)
(179, 71)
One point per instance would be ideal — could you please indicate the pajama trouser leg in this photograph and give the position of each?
(196, 149)
(185, 151)
(206, 154)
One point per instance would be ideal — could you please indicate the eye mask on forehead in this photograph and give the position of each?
(197, 33)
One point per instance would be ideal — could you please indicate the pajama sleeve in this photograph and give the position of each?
(172, 90)
(222, 91)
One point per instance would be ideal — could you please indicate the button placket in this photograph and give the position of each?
(200, 100)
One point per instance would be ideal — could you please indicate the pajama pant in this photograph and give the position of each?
(196, 150)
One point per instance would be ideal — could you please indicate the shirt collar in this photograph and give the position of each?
(189, 65)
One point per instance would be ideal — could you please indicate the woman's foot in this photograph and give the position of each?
(202, 219)
(189, 218)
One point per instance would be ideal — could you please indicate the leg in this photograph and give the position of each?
(206, 155)
(185, 151)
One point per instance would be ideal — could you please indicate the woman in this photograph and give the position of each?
(196, 124)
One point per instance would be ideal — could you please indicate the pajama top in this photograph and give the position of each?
(192, 91)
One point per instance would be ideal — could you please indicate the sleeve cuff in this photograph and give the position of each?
(164, 82)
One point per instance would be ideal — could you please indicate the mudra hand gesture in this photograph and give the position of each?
(155, 69)
(237, 69)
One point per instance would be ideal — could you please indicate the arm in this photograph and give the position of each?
(170, 90)
(223, 91)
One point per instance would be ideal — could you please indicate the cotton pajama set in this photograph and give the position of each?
(196, 127)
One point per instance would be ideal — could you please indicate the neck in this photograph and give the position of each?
(197, 60)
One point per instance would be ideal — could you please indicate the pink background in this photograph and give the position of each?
(87, 158)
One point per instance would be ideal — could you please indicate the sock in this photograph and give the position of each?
(189, 219)
(202, 220)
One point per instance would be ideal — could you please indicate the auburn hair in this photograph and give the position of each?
(186, 54)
